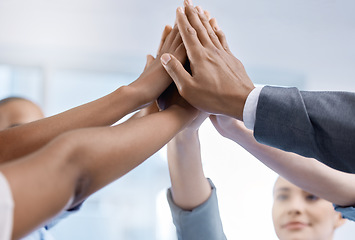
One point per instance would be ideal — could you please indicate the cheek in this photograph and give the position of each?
(324, 219)
(276, 216)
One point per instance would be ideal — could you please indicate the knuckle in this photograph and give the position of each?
(174, 66)
(191, 30)
(200, 28)
(212, 34)
(204, 19)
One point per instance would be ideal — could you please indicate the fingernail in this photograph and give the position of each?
(188, 2)
(180, 9)
(165, 58)
(199, 9)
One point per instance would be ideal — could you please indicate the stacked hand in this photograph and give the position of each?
(154, 79)
(218, 82)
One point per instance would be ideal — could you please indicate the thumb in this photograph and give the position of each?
(150, 59)
(176, 70)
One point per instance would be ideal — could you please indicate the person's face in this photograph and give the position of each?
(300, 215)
(19, 112)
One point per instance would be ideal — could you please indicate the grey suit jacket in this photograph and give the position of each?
(201, 223)
(313, 124)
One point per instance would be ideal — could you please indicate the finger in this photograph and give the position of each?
(188, 35)
(188, 2)
(220, 34)
(194, 19)
(149, 60)
(208, 15)
(165, 33)
(176, 42)
(169, 40)
(180, 53)
(176, 71)
(211, 33)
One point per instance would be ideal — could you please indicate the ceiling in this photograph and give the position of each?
(279, 42)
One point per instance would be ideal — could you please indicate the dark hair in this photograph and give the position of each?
(10, 99)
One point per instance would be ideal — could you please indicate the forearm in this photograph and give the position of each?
(82, 162)
(104, 111)
(189, 188)
(155, 79)
(307, 173)
(123, 147)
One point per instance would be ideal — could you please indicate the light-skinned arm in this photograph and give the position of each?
(189, 186)
(307, 173)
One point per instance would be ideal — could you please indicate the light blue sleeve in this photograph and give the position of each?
(43, 233)
(39, 234)
(346, 212)
(202, 223)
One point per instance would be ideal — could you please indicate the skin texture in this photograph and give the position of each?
(112, 107)
(65, 158)
(81, 165)
(189, 185)
(298, 214)
(218, 82)
(307, 173)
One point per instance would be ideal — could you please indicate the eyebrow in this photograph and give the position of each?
(282, 189)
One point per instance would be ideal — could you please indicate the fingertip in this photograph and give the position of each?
(188, 2)
(199, 10)
(180, 10)
(150, 58)
(167, 28)
(214, 24)
(207, 13)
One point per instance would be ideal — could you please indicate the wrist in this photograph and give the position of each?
(241, 99)
(125, 100)
(151, 83)
(185, 113)
(187, 134)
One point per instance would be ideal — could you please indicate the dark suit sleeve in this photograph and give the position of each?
(320, 125)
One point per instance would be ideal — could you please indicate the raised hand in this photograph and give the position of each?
(154, 79)
(218, 83)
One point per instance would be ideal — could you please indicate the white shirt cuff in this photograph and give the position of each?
(249, 111)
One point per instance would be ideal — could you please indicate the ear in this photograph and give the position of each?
(339, 220)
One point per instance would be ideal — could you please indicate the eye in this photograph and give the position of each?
(311, 198)
(282, 197)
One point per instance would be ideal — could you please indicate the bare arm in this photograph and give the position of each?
(189, 188)
(22, 140)
(83, 161)
(307, 173)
